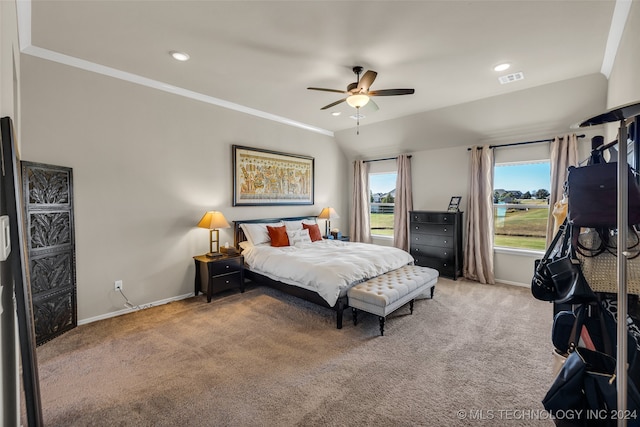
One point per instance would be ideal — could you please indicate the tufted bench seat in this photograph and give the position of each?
(384, 294)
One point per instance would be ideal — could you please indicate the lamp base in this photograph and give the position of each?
(214, 254)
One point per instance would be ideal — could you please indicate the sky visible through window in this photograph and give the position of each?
(382, 182)
(522, 177)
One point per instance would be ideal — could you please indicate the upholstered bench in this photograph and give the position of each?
(386, 293)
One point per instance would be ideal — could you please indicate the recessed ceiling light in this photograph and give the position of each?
(180, 56)
(502, 67)
(336, 113)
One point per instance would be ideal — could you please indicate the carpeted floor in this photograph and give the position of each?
(474, 355)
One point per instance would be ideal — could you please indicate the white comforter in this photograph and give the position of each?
(327, 267)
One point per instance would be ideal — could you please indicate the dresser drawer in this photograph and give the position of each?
(444, 254)
(225, 281)
(431, 240)
(445, 268)
(433, 217)
(227, 266)
(428, 228)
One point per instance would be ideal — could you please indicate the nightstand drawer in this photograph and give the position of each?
(226, 281)
(225, 266)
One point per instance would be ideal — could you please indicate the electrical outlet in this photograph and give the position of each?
(118, 285)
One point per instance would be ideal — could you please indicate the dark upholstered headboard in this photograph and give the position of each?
(238, 234)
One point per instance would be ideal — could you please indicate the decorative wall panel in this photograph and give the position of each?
(48, 196)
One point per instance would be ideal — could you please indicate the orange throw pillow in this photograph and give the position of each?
(278, 235)
(314, 231)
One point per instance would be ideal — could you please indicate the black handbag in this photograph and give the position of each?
(571, 286)
(586, 387)
(593, 195)
(542, 285)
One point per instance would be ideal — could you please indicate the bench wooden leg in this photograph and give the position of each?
(381, 325)
(354, 311)
(411, 305)
(433, 289)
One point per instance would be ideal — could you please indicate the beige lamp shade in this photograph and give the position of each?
(328, 213)
(213, 220)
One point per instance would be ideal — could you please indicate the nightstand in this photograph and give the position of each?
(218, 274)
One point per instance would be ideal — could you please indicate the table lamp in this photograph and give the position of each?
(213, 220)
(328, 214)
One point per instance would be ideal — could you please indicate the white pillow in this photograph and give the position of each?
(297, 225)
(293, 225)
(257, 233)
(298, 236)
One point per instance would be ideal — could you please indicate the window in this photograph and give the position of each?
(382, 188)
(521, 204)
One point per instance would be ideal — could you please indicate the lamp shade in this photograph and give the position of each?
(358, 100)
(328, 213)
(213, 220)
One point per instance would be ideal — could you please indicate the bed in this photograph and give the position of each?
(321, 271)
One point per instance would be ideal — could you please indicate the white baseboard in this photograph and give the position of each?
(131, 310)
(508, 282)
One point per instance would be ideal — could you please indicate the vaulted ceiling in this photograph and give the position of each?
(260, 56)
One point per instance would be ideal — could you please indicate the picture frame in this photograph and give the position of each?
(269, 178)
(454, 204)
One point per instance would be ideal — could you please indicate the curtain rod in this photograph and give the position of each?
(524, 143)
(388, 158)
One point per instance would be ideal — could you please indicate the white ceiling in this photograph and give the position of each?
(264, 54)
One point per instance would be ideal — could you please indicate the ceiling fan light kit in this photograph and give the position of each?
(358, 93)
(358, 100)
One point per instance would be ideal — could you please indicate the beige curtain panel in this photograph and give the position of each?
(403, 203)
(564, 153)
(478, 249)
(359, 226)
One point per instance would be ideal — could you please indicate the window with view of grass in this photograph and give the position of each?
(382, 191)
(521, 204)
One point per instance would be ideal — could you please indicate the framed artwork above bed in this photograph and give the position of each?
(264, 177)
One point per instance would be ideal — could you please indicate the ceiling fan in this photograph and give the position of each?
(359, 93)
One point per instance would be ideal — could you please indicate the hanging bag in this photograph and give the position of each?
(587, 379)
(542, 285)
(593, 195)
(557, 276)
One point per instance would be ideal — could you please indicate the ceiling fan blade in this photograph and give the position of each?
(333, 104)
(367, 80)
(391, 92)
(327, 90)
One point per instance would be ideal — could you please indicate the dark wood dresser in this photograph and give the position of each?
(435, 240)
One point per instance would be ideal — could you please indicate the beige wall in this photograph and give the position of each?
(146, 166)
(624, 82)
(9, 106)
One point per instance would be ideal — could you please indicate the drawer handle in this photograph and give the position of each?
(445, 229)
(444, 265)
(445, 241)
(226, 266)
(445, 253)
(417, 250)
(227, 282)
